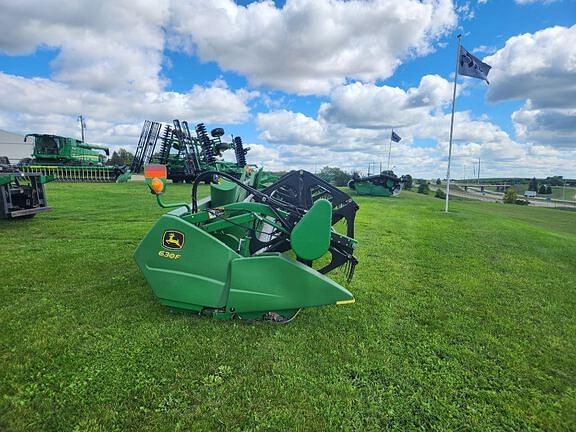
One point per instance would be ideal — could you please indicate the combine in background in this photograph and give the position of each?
(22, 195)
(384, 184)
(69, 159)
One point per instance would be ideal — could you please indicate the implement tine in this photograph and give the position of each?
(351, 271)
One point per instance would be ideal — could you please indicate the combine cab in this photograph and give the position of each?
(69, 159)
(250, 254)
(22, 195)
(385, 184)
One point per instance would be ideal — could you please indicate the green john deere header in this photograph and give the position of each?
(385, 184)
(246, 253)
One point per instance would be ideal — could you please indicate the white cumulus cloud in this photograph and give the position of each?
(352, 130)
(311, 46)
(108, 66)
(539, 68)
(359, 105)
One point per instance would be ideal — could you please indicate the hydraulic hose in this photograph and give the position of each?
(255, 192)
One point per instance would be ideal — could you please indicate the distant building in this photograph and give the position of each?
(530, 194)
(13, 146)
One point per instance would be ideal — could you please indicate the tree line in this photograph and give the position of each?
(544, 189)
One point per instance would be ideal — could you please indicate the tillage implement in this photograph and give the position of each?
(246, 253)
(188, 153)
(71, 160)
(22, 195)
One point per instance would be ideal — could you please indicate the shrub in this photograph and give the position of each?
(408, 182)
(423, 188)
(522, 202)
(440, 194)
(510, 196)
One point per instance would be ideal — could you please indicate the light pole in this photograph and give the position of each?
(81, 120)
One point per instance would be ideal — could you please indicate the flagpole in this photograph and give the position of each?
(452, 124)
(390, 150)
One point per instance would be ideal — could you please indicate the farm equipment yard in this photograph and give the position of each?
(460, 321)
(288, 215)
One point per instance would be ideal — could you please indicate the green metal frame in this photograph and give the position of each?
(201, 261)
(22, 195)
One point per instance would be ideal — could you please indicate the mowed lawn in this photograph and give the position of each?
(463, 321)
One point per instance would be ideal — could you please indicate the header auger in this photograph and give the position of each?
(246, 253)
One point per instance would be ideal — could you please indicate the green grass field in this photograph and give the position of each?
(462, 322)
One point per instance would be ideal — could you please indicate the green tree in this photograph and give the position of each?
(542, 189)
(423, 188)
(408, 181)
(121, 157)
(533, 185)
(440, 194)
(510, 196)
(335, 176)
(438, 181)
(548, 190)
(555, 180)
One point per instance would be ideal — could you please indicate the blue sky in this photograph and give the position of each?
(306, 83)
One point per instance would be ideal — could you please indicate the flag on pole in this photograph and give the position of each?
(395, 137)
(471, 66)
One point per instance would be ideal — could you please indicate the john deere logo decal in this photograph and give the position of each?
(173, 240)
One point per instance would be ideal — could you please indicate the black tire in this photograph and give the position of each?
(217, 133)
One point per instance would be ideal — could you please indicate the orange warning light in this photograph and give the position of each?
(155, 171)
(157, 185)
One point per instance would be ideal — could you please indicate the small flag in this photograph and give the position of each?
(395, 137)
(471, 66)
